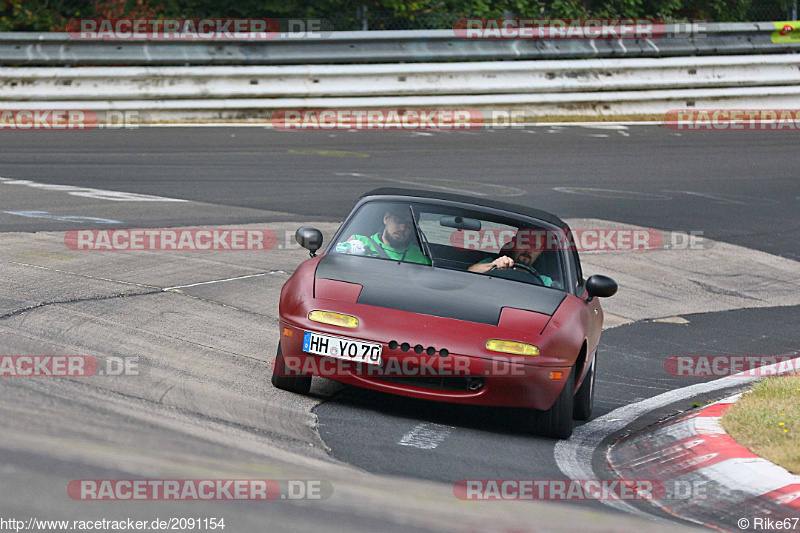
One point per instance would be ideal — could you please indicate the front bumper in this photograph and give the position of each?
(503, 383)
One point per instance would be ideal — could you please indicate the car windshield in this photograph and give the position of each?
(450, 237)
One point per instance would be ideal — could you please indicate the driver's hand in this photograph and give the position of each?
(503, 262)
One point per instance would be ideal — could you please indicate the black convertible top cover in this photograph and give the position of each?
(471, 200)
(436, 291)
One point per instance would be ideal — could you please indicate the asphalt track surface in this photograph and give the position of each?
(738, 187)
(734, 187)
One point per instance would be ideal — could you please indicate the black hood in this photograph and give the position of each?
(436, 291)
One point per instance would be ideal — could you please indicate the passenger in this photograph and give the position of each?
(396, 240)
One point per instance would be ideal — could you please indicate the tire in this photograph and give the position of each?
(584, 398)
(300, 384)
(556, 422)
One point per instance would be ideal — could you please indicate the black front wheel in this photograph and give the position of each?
(556, 422)
(300, 384)
(584, 399)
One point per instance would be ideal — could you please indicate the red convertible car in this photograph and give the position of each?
(447, 298)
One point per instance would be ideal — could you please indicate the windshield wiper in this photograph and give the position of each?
(423, 242)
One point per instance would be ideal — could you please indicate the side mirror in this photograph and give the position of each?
(601, 286)
(309, 238)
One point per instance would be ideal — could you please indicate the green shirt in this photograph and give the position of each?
(375, 247)
(548, 282)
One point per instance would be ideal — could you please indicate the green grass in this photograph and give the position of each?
(767, 421)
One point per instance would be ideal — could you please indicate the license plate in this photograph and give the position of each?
(341, 348)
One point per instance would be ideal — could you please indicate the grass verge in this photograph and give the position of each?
(767, 421)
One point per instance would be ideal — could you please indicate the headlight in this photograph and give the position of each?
(512, 347)
(334, 319)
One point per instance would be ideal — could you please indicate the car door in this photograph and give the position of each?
(592, 313)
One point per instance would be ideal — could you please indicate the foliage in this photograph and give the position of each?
(52, 15)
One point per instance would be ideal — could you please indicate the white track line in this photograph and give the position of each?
(223, 280)
(710, 197)
(425, 436)
(574, 456)
(511, 191)
(90, 192)
(603, 126)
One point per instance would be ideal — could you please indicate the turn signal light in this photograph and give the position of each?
(512, 347)
(334, 319)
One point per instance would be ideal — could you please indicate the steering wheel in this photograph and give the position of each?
(527, 269)
(530, 271)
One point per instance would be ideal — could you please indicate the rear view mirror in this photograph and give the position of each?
(460, 223)
(601, 286)
(309, 238)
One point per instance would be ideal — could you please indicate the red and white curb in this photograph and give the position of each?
(708, 477)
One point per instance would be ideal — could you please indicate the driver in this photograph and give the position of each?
(524, 257)
(396, 240)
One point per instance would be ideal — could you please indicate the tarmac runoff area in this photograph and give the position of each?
(203, 326)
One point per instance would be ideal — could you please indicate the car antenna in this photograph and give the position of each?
(423, 242)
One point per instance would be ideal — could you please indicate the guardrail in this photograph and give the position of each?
(596, 87)
(60, 49)
(421, 79)
(472, 76)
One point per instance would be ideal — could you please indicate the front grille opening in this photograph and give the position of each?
(430, 350)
